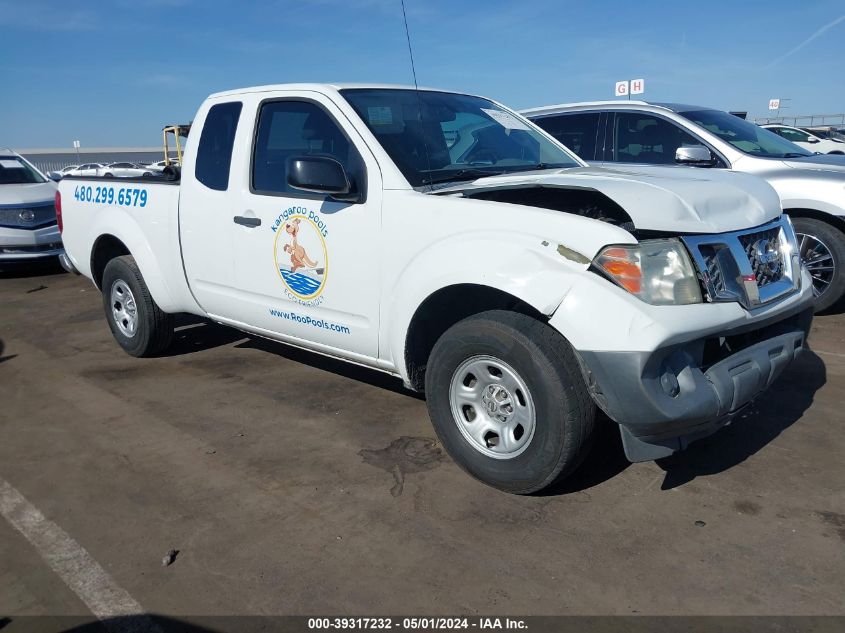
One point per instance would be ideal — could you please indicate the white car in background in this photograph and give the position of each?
(807, 140)
(160, 165)
(125, 170)
(28, 225)
(64, 171)
(86, 169)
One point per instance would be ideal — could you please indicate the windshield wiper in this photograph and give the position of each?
(459, 174)
(540, 167)
(795, 155)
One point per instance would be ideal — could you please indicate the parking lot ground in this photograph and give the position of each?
(293, 484)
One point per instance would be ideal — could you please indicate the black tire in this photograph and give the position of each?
(154, 328)
(834, 240)
(564, 411)
(108, 175)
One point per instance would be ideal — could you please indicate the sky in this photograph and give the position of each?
(111, 73)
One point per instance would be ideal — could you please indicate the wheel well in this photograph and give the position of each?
(833, 220)
(106, 248)
(441, 310)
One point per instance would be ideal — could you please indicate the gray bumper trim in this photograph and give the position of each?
(664, 400)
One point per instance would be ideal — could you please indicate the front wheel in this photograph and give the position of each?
(507, 400)
(137, 323)
(822, 250)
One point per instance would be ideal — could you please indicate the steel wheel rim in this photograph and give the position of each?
(123, 308)
(818, 259)
(492, 407)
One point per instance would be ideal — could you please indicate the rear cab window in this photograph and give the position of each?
(214, 153)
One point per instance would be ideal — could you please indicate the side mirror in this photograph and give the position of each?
(696, 155)
(320, 174)
(54, 176)
(812, 139)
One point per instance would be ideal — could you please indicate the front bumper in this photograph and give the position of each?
(30, 244)
(666, 398)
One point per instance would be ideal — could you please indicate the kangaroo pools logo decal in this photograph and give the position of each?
(300, 253)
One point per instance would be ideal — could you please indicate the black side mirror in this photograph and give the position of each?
(54, 176)
(320, 174)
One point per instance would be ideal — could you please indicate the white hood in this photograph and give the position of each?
(674, 199)
(29, 193)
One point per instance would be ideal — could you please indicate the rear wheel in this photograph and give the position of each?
(822, 250)
(508, 401)
(137, 323)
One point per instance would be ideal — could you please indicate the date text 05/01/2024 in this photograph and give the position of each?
(123, 196)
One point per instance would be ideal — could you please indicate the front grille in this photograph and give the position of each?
(28, 216)
(763, 254)
(751, 267)
(712, 267)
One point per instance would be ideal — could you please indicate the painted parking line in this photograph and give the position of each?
(74, 565)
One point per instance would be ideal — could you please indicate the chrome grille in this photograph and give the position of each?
(763, 254)
(28, 216)
(751, 267)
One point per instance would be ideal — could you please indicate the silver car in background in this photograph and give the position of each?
(811, 186)
(28, 225)
(124, 170)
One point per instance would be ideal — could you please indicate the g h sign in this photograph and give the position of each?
(628, 88)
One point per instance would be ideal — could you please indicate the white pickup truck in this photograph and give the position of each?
(444, 239)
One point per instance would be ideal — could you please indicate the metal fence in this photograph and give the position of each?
(53, 161)
(804, 120)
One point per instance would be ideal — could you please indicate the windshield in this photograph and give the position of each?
(745, 136)
(436, 137)
(16, 171)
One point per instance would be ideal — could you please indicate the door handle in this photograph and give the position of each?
(245, 221)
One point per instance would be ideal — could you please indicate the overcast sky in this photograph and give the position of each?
(113, 72)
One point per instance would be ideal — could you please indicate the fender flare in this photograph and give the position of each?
(126, 229)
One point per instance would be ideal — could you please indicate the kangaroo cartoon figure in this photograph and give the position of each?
(298, 257)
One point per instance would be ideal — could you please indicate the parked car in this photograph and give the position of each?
(28, 228)
(125, 170)
(160, 165)
(87, 169)
(807, 140)
(636, 132)
(829, 132)
(446, 240)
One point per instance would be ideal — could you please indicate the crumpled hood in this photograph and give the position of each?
(13, 195)
(675, 199)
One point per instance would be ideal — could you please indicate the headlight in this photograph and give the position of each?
(657, 271)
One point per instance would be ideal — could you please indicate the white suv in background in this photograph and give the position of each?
(807, 140)
(28, 226)
(811, 186)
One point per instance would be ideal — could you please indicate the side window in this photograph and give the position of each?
(794, 135)
(579, 132)
(644, 138)
(287, 129)
(214, 154)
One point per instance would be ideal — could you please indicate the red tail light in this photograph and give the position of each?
(59, 211)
